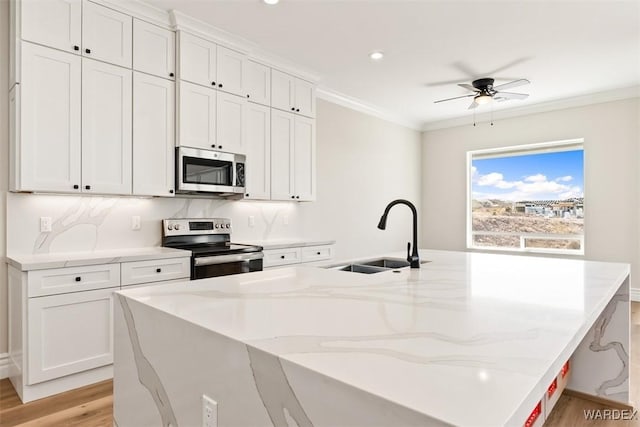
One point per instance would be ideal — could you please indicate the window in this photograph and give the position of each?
(527, 198)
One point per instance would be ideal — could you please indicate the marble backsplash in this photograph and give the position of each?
(86, 223)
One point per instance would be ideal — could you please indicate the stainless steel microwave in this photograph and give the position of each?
(209, 172)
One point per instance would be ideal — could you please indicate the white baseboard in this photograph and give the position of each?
(634, 294)
(4, 365)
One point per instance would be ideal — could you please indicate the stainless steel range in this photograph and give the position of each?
(209, 240)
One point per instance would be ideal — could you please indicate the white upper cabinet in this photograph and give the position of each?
(230, 71)
(282, 91)
(304, 159)
(282, 125)
(305, 98)
(258, 83)
(258, 147)
(292, 94)
(106, 128)
(197, 60)
(154, 50)
(55, 23)
(106, 34)
(153, 135)
(197, 116)
(47, 121)
(231, 112)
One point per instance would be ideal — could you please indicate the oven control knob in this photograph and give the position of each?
(228, 226)
(170, 226)
(217, 225)
(176, 227)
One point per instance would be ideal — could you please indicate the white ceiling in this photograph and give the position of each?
(565, 49)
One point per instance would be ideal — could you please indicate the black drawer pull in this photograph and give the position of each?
(220, 85)
(282, 256)
(75, 187)
(78, 279)
(297, 110)
(87, 187)
(76, 47)
(87, 50)
(317, 253)
(171, 191)
(170, 74)
(213, 83)
(158, 270)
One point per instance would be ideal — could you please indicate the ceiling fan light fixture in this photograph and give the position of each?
(271, 2)
(483, 98)
(376, 55)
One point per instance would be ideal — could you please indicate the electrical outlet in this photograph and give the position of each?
(135, 222)
(209, 412)
(45, 224)
(285, 219)
(252, 221)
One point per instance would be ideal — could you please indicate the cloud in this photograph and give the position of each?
(532, 187)
(536, 178)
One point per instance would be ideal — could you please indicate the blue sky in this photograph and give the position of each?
(544, 176)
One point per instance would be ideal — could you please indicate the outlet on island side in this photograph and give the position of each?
(252, 221)
(285, 219)
(135, 223)
(45, 224)
(209, 412)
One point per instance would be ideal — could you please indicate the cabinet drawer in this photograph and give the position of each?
(155, 270)
(73, 279)
(281, 257)
(317, 253)
(69, 333)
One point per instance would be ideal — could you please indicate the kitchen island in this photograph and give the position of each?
(468, 339)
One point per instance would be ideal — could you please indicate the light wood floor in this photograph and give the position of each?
(92, 406)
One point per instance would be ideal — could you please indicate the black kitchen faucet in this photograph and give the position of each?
(413, 258)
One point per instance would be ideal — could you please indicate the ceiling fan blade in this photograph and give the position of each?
(457, 97)
(511, 95)
(514, 83)
(473, 105)
(467, 86)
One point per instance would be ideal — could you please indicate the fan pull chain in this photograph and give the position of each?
(491, 113)
(474, 117)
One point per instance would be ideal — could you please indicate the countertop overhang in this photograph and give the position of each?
(468, 339)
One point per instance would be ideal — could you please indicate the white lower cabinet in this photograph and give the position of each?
(69, 333)
(296, 255)
(61, 321)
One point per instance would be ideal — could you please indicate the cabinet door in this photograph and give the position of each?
(48, 149)
(230, 71)
(231, 111)
(153, 136)
(54, 23)
(281, 155)
(106, 128)
(305, 98)
(69, 333)
(197, 60)
(282, 87)
(106, 34)
(304, 159)
(197, 116)
(258, 143)
(258, 83)
(154, 50)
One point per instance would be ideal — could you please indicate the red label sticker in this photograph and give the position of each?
(565, 369)
(552, 388)
(534, 415)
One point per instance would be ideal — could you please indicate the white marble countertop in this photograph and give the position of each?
(287, 243)
(469, 339)
(76, 259)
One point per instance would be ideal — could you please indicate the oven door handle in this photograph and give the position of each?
(224, 259)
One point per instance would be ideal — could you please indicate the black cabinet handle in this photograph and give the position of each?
(87, 50)
(75, 187)
(297, 109)
(171, 191)
(293, 197)
(158, 270)
(213, 145)
(87, 187)
(247, 195)
(293, 109)
(220, 85)
(297, 197)
(170, 74)
(282, 256)
(78, 279)
(220, 146)
(317, 253)
(248, 96)
(213, 83)
(76, 47)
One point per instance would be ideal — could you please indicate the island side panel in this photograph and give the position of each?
(600, 364)
(163, 365)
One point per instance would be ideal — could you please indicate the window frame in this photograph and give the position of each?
(524, 149)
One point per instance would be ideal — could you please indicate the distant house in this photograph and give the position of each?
(572, 208)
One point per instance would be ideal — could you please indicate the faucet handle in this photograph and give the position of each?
(409, 251)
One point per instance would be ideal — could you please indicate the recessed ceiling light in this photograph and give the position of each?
(271, 1)
(376, 55)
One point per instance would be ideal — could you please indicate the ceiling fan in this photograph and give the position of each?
(484, 91)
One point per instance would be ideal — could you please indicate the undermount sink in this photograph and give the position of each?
(387, 263)
(361, 268)
(375, 265)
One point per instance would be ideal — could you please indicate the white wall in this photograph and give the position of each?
(4, 163)
(611, 133)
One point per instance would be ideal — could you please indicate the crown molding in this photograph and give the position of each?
(140, 9)
(363, 107)
(542, 107)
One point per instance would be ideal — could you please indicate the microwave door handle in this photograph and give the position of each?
(224, 259)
